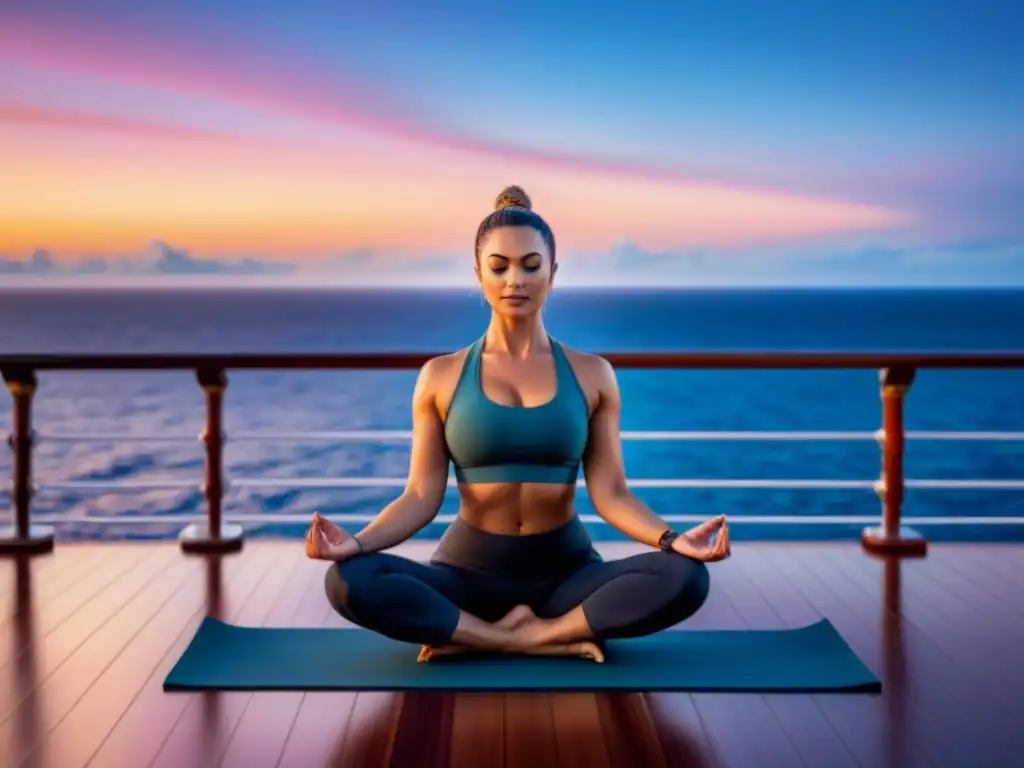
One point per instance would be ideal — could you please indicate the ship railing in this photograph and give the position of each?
(218, 534)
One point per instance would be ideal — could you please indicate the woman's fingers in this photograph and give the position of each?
(326, 545)
(311, 550)
(719, 550)
(707, 527)
(722, 544)
(709, 553)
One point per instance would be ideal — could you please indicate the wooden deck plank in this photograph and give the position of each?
(478, 730)
(936, 658)
(205, 727)
(369, 734)
(423, 736)
(973, 605)
(630, 734)
(807, 603)
(48, 574)
(529, 729)
(800, 718)
(58, 601)
(321, 719)
(76, 653)
(926, 691)
(579, 740)
(956, 625)
(753, 736)
(677, 720)
(89, 633)
(147, 714)
(870, 726)
(319, 730)
(684, 739)
(261, 734)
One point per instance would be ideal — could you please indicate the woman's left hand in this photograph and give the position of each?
(696, 542)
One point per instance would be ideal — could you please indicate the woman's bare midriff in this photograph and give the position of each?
(510, 508)
(517, 508)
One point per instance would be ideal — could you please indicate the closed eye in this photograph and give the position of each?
(498, 264)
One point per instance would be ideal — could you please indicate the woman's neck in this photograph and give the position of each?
(519, 337)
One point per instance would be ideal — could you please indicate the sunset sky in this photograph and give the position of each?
(844, 142)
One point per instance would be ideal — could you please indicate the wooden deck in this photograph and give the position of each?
(90, 632)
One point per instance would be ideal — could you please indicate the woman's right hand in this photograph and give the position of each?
(327, 541)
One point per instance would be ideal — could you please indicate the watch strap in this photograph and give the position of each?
(666, 539)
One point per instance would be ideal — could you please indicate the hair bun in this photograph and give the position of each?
(513, 197)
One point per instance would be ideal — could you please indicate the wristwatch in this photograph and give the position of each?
(666, 539)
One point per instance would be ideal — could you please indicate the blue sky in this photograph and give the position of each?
(813, 132)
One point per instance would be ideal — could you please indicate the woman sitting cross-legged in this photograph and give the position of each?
(517, 413)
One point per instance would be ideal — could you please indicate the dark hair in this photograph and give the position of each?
(512, 208)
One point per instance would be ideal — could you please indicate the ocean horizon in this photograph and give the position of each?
(149, 420)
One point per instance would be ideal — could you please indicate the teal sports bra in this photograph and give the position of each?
(493, 443)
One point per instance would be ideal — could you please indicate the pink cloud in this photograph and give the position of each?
(288, 85)
(55, 118)
(343, 166)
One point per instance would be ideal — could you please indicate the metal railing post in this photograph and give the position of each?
(892, 537)
(22, 537)
(213, 535)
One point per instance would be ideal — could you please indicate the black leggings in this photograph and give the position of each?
(487, 575)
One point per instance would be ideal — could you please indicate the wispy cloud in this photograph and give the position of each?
(990, 262)
(286, 133)
(161, 259)
(18, 114)
(298, 85)
(981, 262)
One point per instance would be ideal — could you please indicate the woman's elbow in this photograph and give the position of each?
(426, 497)
(607, 499)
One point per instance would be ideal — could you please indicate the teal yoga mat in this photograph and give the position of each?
(812, 659)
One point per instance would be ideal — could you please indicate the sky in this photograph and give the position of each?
(796, 143)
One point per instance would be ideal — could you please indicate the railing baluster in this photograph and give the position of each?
(892, 537)
(22, 537)
(214, 535)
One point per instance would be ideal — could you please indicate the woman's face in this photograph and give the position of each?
(515, 270)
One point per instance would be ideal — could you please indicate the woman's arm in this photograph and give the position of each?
(604, 470)
(606, 484)
(428, 475)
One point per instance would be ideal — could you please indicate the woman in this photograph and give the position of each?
(518, 414)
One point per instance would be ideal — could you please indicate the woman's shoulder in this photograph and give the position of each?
(444, 364)
(590, 368)
(587, 362)
(440, 374)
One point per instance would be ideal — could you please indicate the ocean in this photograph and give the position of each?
(156, 416)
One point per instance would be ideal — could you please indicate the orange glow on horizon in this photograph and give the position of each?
(90, 185)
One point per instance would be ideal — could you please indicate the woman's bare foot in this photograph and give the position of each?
(429, 652)
(515, 618)
(510, 621)
(529, 636)
(584, 649)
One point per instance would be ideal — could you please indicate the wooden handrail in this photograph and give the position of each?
(399, 360)
(897, 372)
